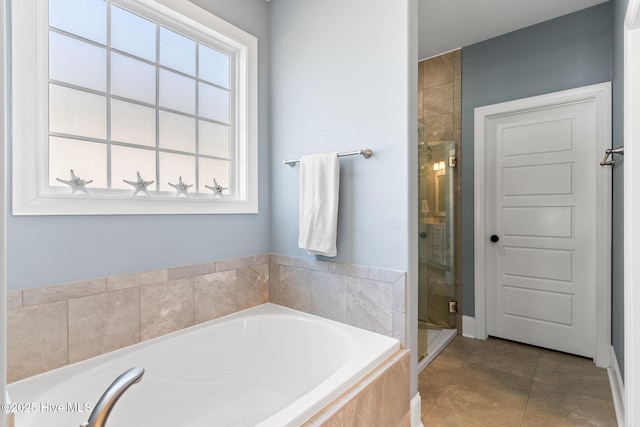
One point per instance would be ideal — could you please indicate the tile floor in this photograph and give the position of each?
(501, 383)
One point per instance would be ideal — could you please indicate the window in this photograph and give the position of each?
(132, 106)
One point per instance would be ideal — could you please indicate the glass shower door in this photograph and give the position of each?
(437, 293)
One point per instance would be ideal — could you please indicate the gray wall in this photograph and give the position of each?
(344, 77)
(339, 83)
(617, 252)
(52, 249)
(571, 51)
(349, 78)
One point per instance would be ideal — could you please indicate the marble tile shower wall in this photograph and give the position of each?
(51, 326)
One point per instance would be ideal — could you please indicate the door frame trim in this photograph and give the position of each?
(631, 206)
(600, 94)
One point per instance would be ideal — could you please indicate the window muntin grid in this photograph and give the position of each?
(130, 106)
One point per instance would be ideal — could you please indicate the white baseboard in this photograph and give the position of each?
(468, 327)
(416, 411)
(617, 387)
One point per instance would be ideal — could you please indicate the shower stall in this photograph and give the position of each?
(438, 204)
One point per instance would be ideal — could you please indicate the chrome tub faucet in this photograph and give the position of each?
(100, 413)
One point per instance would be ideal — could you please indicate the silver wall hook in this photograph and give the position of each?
(609, 152)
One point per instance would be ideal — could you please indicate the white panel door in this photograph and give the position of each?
(541, 205)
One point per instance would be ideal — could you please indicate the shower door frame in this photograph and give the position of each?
(630, 393)
(4, 417)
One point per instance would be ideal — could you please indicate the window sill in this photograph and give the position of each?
(80, 205)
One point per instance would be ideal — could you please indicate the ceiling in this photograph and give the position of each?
(445, 25)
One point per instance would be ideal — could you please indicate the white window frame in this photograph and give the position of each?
(30, 130)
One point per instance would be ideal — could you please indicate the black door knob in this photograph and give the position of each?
(423, 234)
(494, 238)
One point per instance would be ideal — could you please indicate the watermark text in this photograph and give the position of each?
(48, 407)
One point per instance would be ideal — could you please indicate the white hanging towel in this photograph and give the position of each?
(319, 184)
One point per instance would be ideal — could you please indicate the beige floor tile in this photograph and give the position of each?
(504, 386)
(497, 343)
(569, 409)
(506, 359)
(436, 382)
(427, 401)
(562, 377)
(446, 363)
(574, 361)
(500, 383)
(465, 405)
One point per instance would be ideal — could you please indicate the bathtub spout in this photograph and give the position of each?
(100, 413)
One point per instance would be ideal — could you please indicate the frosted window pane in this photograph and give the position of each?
(125, 162)
(85, 18)
(77, 62)
(133, 79)
(213, 103)
(213, 66)
(214, 139)
(177, 52)
(210, 169)
(87, 159)
(177, 132)
(172, 166)
(177, 92)
(75, 112)
(132, 34)
(133, 123)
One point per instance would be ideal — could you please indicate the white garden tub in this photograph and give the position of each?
(267, 366)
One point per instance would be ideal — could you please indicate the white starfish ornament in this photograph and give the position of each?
(181, 187)
(140, 185)
(76, 183)
(217, 189)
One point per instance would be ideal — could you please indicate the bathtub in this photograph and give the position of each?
(267, 366)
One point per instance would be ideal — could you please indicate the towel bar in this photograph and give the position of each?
(366, 153)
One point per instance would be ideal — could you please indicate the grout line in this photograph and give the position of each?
(68, 330)
(139, 314)
(193, 300)
(533, 378)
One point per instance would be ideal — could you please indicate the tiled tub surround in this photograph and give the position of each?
(379, 399)
(52, 326)
(367, 297)
(268, 365)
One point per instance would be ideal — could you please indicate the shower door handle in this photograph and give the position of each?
(494, 238)
(423, 234)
